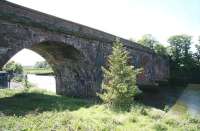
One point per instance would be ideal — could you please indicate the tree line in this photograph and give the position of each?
(119, 82)
(13, 67)
(184, 63)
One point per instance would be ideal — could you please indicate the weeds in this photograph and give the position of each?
(33, 109)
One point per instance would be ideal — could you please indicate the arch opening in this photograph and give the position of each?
(69, 65)
(27, 64)
(72, 71)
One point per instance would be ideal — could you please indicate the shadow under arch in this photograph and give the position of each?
(23, 103)
(73, 72)
(71, 68)
(56, 52)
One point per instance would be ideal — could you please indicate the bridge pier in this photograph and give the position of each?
(75, 80)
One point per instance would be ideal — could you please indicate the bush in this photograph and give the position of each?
(160, 127)
(13, 67)
(17, 79)
(42, 64)
(119, 84)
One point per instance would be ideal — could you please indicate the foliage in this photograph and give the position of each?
(132, 39)
(180, 45)
(42, 64)
(119, 84)
(195, 65)
(182, 65)
(38, 110)
(197, 53)
(40, 67)
(148, 40)
(13, 67)
(161, 50)
(18, 78)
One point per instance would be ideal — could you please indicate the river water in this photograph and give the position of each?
(44, 82)
(187, 102)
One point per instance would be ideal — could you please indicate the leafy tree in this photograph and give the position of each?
(180, 46)
(195, 71)
(161, 50)
(148, 40)
(132, 39)
(119, 84)
(182, 63)
(42, 64)
(13, 67)
(197, 53)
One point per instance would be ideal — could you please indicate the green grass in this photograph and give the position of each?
(42, 71)
(35, 110)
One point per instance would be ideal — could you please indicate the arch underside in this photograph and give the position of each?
(72, 71)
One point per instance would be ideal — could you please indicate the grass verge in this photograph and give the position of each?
(35, 110)
(38, 71)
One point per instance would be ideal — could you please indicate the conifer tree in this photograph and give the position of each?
(119, 83)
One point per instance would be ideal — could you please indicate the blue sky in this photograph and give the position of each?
(126, 18)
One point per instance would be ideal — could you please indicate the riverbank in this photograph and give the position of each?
(43, 82)
(188, 102)
(33, 109)
(161, 97)
(38, 71)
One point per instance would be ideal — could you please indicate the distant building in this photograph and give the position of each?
(4, 79)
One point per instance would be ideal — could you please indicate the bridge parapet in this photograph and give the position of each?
(29, 17)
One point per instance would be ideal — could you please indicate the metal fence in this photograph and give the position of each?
(9, 80)
(4, 79)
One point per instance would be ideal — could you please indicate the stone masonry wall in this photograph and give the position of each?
(75, 52)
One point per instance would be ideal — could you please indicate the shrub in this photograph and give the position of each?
(160, 127)
(13, 67)
(119, 83)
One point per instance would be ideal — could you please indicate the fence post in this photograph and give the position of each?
(3, 79)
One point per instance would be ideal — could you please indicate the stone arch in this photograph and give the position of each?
(71, 68)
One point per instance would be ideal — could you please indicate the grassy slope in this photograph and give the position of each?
(30, 70)
(33, 110)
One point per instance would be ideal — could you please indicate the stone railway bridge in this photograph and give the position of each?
(75, 52)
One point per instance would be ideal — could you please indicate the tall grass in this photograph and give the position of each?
(35, 110)
(42, 71)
